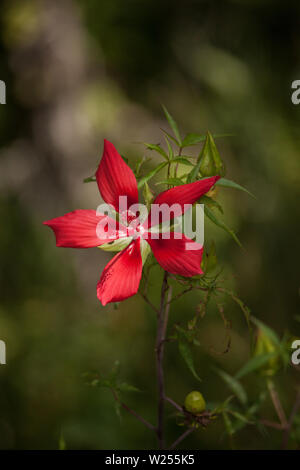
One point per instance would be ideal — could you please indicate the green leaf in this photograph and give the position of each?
(192, 176)
(183, 333)
(125, 159)
(62, 443)
(240, 417)
(151, 174)
(158, 149)
(172, 123)
(223, 406)
(89, 179)
(114, 372)
(225, 183)
(253, 364)
(210, 160)
(186, 353)
(118, 407)
(210, 260)
(171, 181)
(193, 139)
(234, 385)
(139, 164)
(147, 194)
(116, 245)
(170, 150)
(228, 424)
(221, 224)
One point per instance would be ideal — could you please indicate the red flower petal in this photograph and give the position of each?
(115, 178)
(121, 277)
(184, 194)
(82, 229)
(175, 256)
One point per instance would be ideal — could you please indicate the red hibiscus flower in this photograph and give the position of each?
(121, 277)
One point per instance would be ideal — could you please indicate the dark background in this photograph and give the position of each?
(77, 72)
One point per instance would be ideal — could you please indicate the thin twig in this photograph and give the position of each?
(176, 168)
(149, 302)
(173, 403)
(134, 413)
(180, 438)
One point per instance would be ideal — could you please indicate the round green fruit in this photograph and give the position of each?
(194, 402)
(264, 345)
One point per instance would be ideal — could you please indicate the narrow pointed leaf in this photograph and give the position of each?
(170, 150)
(192, 176)
(208, 212)
(182, 160)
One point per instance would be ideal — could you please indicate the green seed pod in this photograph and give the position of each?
(264, 345)
(148, 195)
(194, 402)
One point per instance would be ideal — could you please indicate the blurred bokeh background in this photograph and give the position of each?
(79, 71)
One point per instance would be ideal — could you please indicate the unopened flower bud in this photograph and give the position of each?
(211, 163)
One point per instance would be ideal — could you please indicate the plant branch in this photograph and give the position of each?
(162, 320)
(180, 438)
(277, 403)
